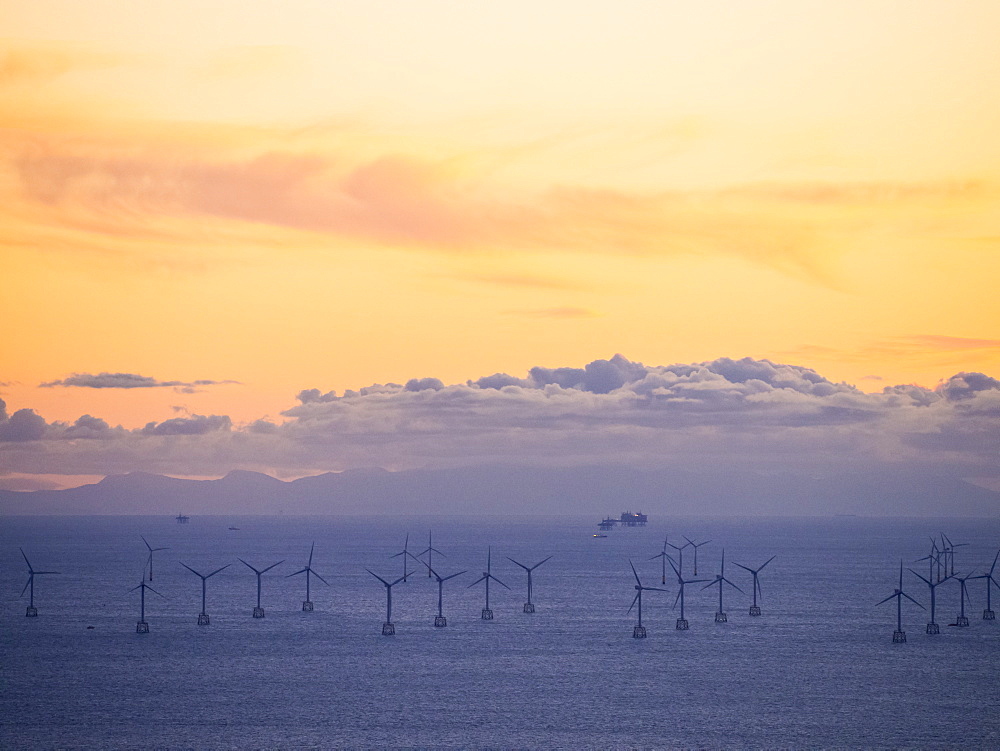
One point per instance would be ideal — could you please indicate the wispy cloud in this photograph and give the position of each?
(126, 381)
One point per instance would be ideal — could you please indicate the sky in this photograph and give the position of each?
(303, 236)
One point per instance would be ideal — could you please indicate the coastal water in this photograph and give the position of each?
(817, 669)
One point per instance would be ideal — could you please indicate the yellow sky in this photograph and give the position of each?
(328, 195)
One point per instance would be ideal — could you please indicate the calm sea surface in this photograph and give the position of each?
(818, 669)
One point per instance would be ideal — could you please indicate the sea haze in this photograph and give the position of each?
(817, 669)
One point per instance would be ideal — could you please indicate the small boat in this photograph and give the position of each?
(596, 535)
(234, 528)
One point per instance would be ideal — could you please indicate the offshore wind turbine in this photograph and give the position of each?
(307, 605)
(682, 624)
(405, 553)
(663, 555)
(258, 612)
(680, 553)
(720, 579)
(487, 613)
(951, 553)
(32, 611)
(988, 614)
(932, 627)
(203, 619)
(755, 609)
(149, 560)
(141, 627)
(429, 551)
(696, 545)
(439, 620)
(639, 632)
(962, 621)
(528, 606)
(388, 628)
(899, 636)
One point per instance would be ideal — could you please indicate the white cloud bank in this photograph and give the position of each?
(751, 414)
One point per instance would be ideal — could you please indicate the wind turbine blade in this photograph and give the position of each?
(406, 542)
(25, 558)
(745, 568)
(45, 572)
(540, 563)
(154, 591)
(300, 571)
(481, 578)
(498, 581)
(249, 566)
(636, 575)
(402, 578)
(138, 586)
(925, 581)
(696, 581)
(671, 562)
(273, 565)
(320, 578)
(913, 601)
(218, 570)
(147, 544)
(890, 597)
(378, 577)
(452, 576)
(710, 584)
(677, 598)
(733, 585)
(634, 600)
(766, 562)
(396, 555)
(690, 541)
(26, 585)
(437, 551)
(189, 569)
(654, 589)
(311, 549)
(519, 564)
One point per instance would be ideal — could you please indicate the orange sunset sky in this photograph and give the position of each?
(270, 197)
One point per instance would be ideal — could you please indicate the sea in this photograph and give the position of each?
(817, 668)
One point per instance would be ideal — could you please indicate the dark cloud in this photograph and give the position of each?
(194, 425)
(308, 396)
(127, 381)
(23, 425)
(424, 384)
(962, 386)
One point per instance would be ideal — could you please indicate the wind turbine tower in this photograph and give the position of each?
(962, 620)
(149, 560)
(141, 627)
(529, 607)
(203, 619)
(405, 553)
(755, 609)
(682, 624)
(439, 620)
(720, 579)
(680, 553)
(307, 605)
(662, 555)
(388, 628)
(639, 632)
(258, 612)
(932, 627)
(988, 614)
(429, 551)
(32, 611)
(899, 636)
(487, 613)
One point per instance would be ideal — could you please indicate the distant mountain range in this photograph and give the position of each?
(519, 491)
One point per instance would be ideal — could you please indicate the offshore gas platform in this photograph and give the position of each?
(627, 519)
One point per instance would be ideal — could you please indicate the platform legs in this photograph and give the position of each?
(755, 610)
(720, 617)
(440, 621)
(682, 624)
(487, 614)
(933, 628)
(141, 627)
(989, 615)
(31, 612)
(639, 632)
(529, 607)
(388, 629)
(258, 612)
(307, 607)
(899, 637)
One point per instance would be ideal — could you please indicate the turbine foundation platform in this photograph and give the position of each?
(307, 607)
(720, 617)
(989, 615)
(682, 624)
(31, 612)
(141, 627)
(487, 614)
(388, 629)
(962, 621)
(899, 637)
(440, 621)
(204, 620)
(933, 628)
(639, 632)
(755, 610)
(258, 612)
(529, 607)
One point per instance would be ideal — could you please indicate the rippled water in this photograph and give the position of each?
(818, 669)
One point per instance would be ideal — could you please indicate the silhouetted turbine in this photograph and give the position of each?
(663, 555)
(429, 551)
(680, 553)
(141, 627)
(405, 553)
(695, 545)
(487, 613)
(203, 619)
(951, 553)
(639, 632)
(755, 609)
(258, 612)
(988, 614)
(962, 621)
(32, 611)
(149, 560)
(307, 605)
(388, 628)
(529, 607)
(440, 621)
(720, 579)
(682, 623)
(899, 636)
(932, 627)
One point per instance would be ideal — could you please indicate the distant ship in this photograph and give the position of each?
(627, 519)
(181, 519)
